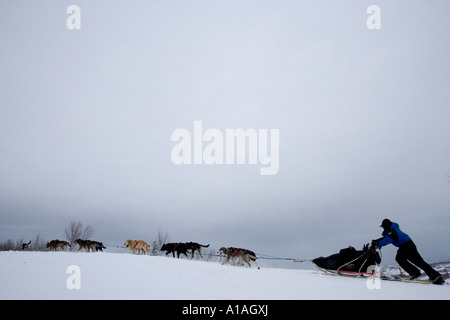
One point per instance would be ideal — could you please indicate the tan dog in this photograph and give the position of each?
(143, 247)
(130, 244)
(138, 246)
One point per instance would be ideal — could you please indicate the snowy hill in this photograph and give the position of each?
(48, 275)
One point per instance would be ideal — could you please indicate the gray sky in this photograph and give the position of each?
(86, 118)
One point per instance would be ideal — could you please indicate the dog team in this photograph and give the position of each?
(87, 245)
(243, 255)
(141, 247)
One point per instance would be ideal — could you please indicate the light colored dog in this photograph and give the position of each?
(137, 246)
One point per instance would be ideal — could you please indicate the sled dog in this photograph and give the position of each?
(179, 248)
(96, 245)
(182, 248)
(194, 246)
(137, 246)
(55, 244)
(243, 255)
(25, 245)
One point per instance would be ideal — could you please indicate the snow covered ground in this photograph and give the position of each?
(50, 275)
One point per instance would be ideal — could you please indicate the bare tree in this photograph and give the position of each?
(77, 231)
(38, 244)
(8, 245)
(18, 243)
(161, 238)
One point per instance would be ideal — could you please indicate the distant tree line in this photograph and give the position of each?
(36, 244)
(74, 231)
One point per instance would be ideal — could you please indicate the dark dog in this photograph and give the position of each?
(194, 246)
(25, 245)
(55, 244)
(83, 244)
(182, 248)
(179, 248)
(89, 245)
(98, 246)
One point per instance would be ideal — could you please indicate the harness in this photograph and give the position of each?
(238, 251)
(175, 245)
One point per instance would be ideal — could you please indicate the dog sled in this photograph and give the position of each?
(350, 261)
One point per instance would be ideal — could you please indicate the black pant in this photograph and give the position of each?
(408, 253)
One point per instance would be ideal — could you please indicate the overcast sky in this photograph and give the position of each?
(86, 118)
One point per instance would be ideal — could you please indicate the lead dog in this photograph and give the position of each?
(25, 245)
(243, 255)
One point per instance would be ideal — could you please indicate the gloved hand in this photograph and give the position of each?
(373, 244)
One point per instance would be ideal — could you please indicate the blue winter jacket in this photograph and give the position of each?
(395, 236)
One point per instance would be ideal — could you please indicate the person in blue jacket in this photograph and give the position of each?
(407, 255)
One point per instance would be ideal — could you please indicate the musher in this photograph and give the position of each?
(407, 253)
